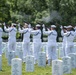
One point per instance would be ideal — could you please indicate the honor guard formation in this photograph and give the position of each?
(37, 49)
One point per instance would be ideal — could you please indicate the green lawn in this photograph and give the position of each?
(6, 70)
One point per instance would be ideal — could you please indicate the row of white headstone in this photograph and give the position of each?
(64, 66)
(17, 64)
(19, 51)
(59, 67)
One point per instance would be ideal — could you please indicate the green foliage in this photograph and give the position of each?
(34, 11)
(58, 12)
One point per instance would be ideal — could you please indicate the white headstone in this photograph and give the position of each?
(61, 53)
(3, 47)
(44, 46)
(42, 59)
(57, 67)
(31, 49)
(29, 63)
(19, 48)
(66, 65)
(0, 62)
(11, 55)
(75, 48)
(6, 53)
(57, 52)
(20, 54)
(16, 66)
(24, 59)
(73, 60)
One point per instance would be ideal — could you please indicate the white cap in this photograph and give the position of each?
(69, 26)
(29, 25)
(43, 25)
(65, 26)
(13, 24)
(0, 24)
(38, 25)
(61, 27)
(53, 26)
(25, 24)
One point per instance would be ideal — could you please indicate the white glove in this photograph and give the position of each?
(29, 25)
(43, 26)
(75, 27)
(4, 24)
(19, 25)
(48, 29)
(61, 27)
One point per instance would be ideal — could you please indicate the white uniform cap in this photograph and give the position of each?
(69, 26)
(29, 25)
(38, 25)
(65, 26)
(0, 24)
(13, 24)
(25, 23)
(53, 26)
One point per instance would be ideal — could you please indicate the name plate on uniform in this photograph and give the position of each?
(0, 62)
(66, 65)
(16, 66)
(42, 59)
(29, 63)
(57, 67)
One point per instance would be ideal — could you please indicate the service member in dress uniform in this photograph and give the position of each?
(12, 36)
(63, 30)
(26, 40)
(51, 44)
(69, 40)
(36, 42)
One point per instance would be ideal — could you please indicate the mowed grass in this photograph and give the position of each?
(6, 70)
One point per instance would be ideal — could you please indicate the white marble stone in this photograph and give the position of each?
(31, 49)
(18, 49)
(11, 55)
(73, 60)
(3, 47)
(44, 47)
(42, 59)
(61, 52)
(16, 66)
(75, 48)
(0, 62)
(66, 65)
(6, 53)
(57, 67)
(20, 54)
(29, 63)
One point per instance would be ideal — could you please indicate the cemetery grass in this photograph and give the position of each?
(6, 70)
